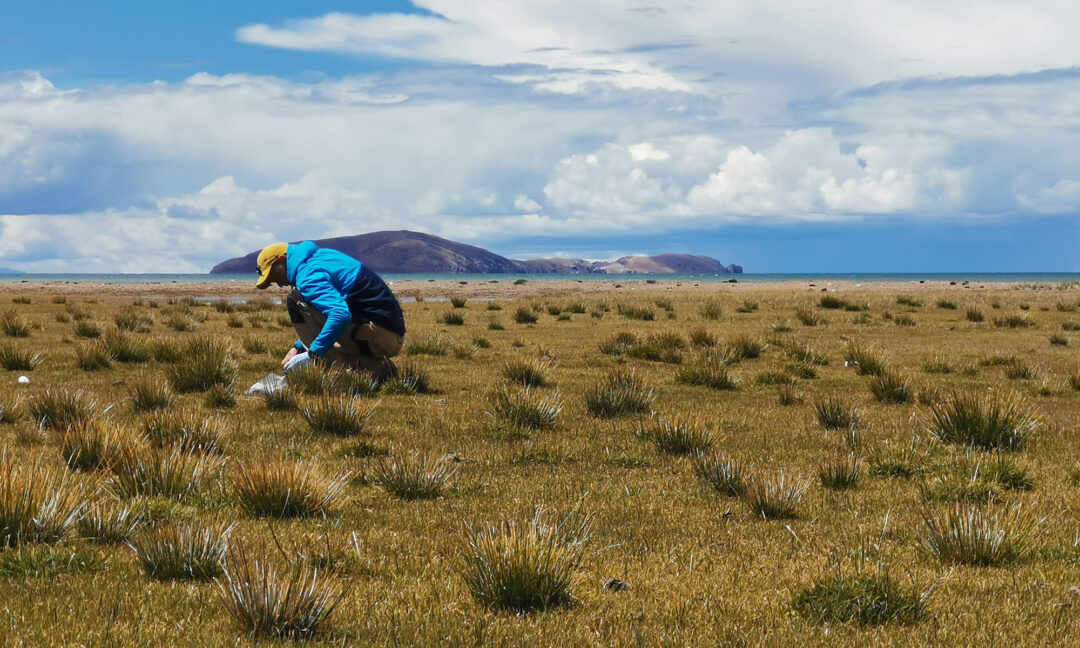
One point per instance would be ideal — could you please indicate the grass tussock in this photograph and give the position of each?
(61, 409)
(774, 497)
(166, 350)
(525, 315)
(707, 371)
(531, 372)
(171, 474)
(979, 537)
(621, 393)
(526, 567)
(148, 395)
(865, 599)
(744, 347)
(807, 317)
(711, 310)
(835, 414)
(1017, 321)
(994, 421)
(186, 550)
(207, 362)
(13, 325)
(109, 523)
(411, 378)
(267, 601)
(636, 312)
(87, 329)
(523, 408)
(413, 476)
(721, 473)
(185, 430)
(866, 360)
(93, 357)
(14, 358)
(313, 379)
(337, 416)
(286, 489)
(677, 436)
(890, 388)
(38, 503)
(94, 445)
(126, 348)
(452, 318)
(11, 408)
(840, 475)
(283, 399)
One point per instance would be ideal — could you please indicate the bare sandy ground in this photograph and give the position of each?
(501, 288)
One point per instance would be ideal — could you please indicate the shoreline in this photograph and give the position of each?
(426, 289)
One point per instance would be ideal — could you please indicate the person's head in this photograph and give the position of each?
(271, 266)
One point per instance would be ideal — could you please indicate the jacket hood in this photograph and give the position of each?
(296, 254)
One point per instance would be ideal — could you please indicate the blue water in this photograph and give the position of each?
(898, 277)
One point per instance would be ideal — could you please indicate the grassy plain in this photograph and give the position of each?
(702, 568)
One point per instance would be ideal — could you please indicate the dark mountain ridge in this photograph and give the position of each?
(413, 252)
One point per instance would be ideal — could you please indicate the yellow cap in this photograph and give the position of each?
(269, 255)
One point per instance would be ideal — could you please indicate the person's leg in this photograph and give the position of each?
(309, 321)
(378, 345)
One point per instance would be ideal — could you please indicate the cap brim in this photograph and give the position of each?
(264, 281)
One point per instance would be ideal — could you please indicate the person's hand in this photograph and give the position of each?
(289, 356)
(297, 361)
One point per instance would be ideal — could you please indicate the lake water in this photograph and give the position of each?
(974, 277)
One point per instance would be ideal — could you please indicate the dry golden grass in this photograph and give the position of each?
(702, 568)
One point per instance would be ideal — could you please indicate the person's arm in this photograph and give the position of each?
(321, 293)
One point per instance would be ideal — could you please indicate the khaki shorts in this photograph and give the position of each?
(363, 345)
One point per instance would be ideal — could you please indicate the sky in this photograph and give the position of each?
(780, 135)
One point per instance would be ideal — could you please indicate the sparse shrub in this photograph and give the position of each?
(126, 348)
(76, 313)
(495, 325)
(711, 310)
(181, 322)
(266, 601)
(434, 345)
(834, 414)
(937, 365)
(978, 481)
(983, 538)
(906, 300)
(13, 325)
(255, 345)
(413, 477)
(185, 550)
(60, 410)
(525, 316)
(130, 319)
(994, 421)
(974, 315)
(643, 313)
(677, 436)
(234, 321)
(904, 320)
(890, 388)
(1020, 320)
(342, 416)
(1015, 369)
(528, 373)
(218, 397)
(866, 599)
(11, 409)
(13, 358)
(524, 567)
(831, 302)
(358, 383)
(618, 343)
(747, 307)
(774, 497)
(1057, 339)
(451, 318)
(1070, 325)
(87, 329)
(207, 363)
(22, 299)
(458, 302)
(621, 393)
(481, 342)
(38, 503)
(807, 355)
(866, 360)
(554, 310)
(658, 347)
(896, 461)
(286, 489)
(522, 408)
(720, 472)
(946, 304)
(148, 395)
(774, 378)
(108, 523)
(840, 475)
(313, 379)
(173, 474)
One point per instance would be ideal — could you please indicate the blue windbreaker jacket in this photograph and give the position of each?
(327, 279)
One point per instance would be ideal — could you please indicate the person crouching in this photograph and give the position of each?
(343, 313)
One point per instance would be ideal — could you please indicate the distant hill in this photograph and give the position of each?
(412, 252)
(9, 271)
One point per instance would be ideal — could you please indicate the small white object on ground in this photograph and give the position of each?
(299, 360)
(271, 382)
(23, 380)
